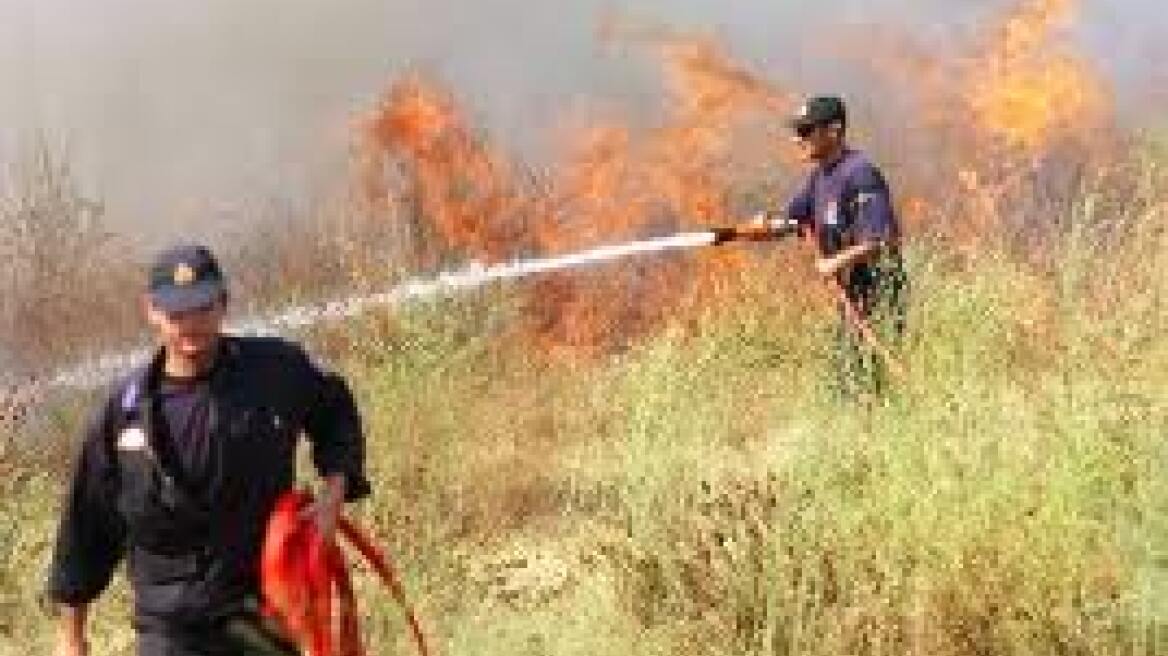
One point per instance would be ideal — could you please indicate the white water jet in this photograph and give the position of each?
(104, 369)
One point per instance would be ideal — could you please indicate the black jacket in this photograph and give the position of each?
(193, 553)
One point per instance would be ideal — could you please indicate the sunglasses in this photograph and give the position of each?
(804, 131)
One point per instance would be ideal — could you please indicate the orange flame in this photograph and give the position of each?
(986, 121)
(613, 184)
(421, 152)
(996, 121)
(1025, 91)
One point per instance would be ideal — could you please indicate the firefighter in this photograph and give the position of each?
(845, 203)
(182, 465)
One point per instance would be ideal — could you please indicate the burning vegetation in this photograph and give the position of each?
(1013, 115)
(462, 198)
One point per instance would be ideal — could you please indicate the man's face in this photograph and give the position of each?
(819, 143)
(191, 333)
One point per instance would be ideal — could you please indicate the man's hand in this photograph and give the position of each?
(69, 647)
(71, 632)
(827, 266)
(325, 512)
(831, 266)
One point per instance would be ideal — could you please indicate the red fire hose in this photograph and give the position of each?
(302, 578)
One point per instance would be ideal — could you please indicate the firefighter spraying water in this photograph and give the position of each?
(101, 370)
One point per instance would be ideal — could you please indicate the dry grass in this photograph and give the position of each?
(62, 285)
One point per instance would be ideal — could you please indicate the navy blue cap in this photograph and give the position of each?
(185, 277)
(820, 110)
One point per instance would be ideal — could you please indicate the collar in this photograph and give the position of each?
(828, 168)
(145, 380)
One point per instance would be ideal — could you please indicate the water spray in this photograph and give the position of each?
(101, 370)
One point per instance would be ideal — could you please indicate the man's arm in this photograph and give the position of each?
(769, 225)
(333, 425)
(874, 228)
(801, 207)
(90, 538)
(847, 258)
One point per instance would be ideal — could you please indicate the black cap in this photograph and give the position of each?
(185, 277)
(820, 110)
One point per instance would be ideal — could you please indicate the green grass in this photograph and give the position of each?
(703, 492)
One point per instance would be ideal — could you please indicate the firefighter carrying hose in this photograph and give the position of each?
(846, 206)
(182, 466)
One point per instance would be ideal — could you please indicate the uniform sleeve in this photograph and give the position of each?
(91, 535)
(874, 218)
(334, 427)
(801, 207)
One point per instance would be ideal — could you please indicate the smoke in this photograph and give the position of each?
(186, 118)
(176, 111)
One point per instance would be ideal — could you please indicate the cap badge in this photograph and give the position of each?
(184, 274)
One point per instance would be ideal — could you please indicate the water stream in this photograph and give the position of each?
(106, 368)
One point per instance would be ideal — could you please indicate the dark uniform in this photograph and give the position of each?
(843, 204)
(179, 477)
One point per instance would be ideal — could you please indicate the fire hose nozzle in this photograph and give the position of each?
(761, 228)
(724, 234)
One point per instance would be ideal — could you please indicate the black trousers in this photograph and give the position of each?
(880, 297)
(243, 635)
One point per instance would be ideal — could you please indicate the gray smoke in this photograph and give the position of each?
(172, 108)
